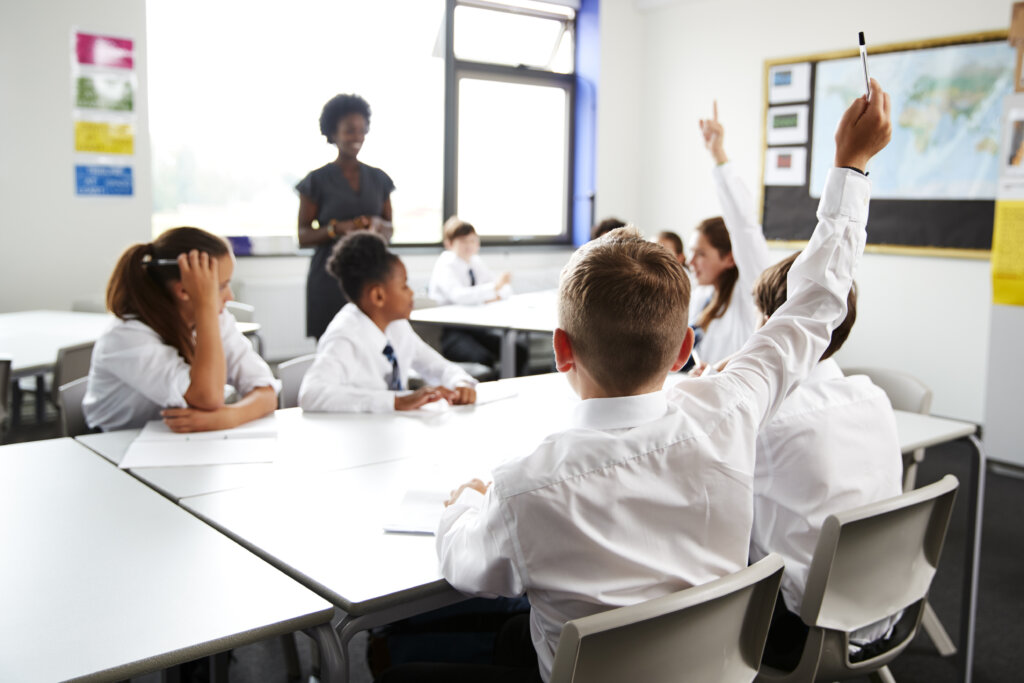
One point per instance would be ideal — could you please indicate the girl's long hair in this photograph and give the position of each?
(717, 235)
(139, 286)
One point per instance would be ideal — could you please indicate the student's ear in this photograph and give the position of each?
(376, 296)
(564, 359)
(178, 291)
(684, 351)
(730, 262)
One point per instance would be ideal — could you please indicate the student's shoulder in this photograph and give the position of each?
(346, 324)
(126, 333)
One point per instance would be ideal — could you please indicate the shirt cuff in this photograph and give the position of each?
(846, 193)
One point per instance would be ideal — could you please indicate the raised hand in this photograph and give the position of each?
(864, 130)
(714, 135)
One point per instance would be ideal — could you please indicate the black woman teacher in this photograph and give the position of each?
(343, 196)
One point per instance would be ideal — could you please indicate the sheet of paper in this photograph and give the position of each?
(181, 453)
(785, 166)
(789, 83)
(156, 430)
(787, 125)
(418, 513)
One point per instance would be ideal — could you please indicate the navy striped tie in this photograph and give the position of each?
(395, 383)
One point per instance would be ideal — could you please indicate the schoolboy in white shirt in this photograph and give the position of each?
(364, 358)
(831, 447)
(651, 492)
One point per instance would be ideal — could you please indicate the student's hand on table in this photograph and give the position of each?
(714, 135)
(864, 130)
(199, 278)
(463, 396)
(474, 484)
(422, 397)
(184, 420)
(503, 279)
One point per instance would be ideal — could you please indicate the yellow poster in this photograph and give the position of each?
(1008, 254)
(104, 138)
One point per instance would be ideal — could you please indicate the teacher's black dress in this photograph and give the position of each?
(334, 197)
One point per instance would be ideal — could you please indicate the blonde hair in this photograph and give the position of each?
(623, 303)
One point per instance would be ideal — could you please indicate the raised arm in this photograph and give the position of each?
(783, 352)
(749, 248)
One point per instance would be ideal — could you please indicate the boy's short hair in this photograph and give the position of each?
(623, 303)
(360, 260)
(455, 228)
(674, 239)
(605, 227)
(770, 293)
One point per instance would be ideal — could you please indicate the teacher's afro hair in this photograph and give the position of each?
(359, 261)
(337, 108)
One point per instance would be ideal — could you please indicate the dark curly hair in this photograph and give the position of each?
(337, 108)
(360, 260)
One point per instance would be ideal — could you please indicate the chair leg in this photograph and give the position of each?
(883, 675)
(937, 632)
(291, 656)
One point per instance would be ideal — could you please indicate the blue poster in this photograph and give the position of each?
(103, 180)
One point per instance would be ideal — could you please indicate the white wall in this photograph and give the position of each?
(56, 248)
(928, 316)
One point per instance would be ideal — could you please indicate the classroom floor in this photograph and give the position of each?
(999, 656)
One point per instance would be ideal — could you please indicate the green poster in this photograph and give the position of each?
(115, 93)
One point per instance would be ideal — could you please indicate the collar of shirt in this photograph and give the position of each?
(621, 412)
(367, 329)
(824, 371)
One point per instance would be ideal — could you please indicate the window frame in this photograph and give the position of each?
(456, 69)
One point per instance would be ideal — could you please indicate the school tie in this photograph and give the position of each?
(395, 383)
(472, 278)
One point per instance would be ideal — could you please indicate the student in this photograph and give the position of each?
(674, 243)
(831, 447)
(728, 253)
(606, 226)
(364, 358)
(461, 277)
(174, 347)
(651, 492)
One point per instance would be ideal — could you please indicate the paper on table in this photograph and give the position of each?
(157, 430)
(418, 513)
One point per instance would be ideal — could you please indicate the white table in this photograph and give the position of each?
(532, 312)
(104, 579)
(922, 431)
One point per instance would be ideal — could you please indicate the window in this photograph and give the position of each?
(235, 93)
(509, 99)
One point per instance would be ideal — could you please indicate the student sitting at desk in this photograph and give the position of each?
(728, 253)
(174, 347)
(650, 492)
(831, 447)
(364, 358)
(461, 277)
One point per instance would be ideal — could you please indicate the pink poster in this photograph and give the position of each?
(103, 50)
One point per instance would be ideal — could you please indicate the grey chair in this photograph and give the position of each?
(72, 363)
(69, 407)
(291, 373)
(5, 390)
(908, 393)
(869, 564)
(705, 634)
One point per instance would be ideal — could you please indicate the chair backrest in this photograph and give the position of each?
(72, 363)
(877, 559)
(709, 633)
(291, 373)
(905, 392)
(5, 389)
(244, 313)
(69, 404)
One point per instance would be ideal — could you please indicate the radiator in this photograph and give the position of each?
(280, 305)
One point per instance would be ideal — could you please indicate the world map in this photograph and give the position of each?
(947, 105)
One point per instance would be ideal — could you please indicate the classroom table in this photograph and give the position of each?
(31, 339)
(922, 431)
(532, 312)
(103, 579)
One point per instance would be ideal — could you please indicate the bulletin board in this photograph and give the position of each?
(934, 186)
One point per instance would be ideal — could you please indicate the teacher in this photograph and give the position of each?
(343, 196)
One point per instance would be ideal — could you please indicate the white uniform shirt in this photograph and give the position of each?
(831, 447)
(135, 374)
(351, 373)
(651, 494)
(726, 335)
(450, 282)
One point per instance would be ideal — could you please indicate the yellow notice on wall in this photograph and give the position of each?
(1008, 254)
(104, 138)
